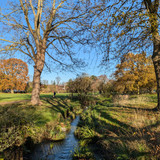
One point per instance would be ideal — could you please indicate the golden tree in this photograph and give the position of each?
(13, 74)
(135, 71)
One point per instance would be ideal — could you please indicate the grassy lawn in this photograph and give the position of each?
(137, 101)
(45, 122)
(8, 97)
(120, 131)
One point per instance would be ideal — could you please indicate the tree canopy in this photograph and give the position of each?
(134, 73)
(13, 74)
(81, 85)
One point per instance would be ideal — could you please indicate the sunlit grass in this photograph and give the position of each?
(9, 97)
(129, 131)
(137, 101)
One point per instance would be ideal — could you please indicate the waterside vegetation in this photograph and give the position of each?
(125, 128)
(22, 125)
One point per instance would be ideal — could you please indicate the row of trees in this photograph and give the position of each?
(85, 84)
(118, 26)
(13, 74)
(134, 75)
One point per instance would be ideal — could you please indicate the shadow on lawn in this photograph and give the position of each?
(142, 109)
(3, 98)
(113, 120)
(17, 115)
(45, 96)
(120, 133)
(58, 105)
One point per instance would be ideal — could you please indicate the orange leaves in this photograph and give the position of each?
(13, 74)
(135, 71)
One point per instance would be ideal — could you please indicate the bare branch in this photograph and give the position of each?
(25, 11)
(32, 8)
(52, 15)
(55, 59)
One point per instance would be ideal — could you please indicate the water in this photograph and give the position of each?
(58, 150)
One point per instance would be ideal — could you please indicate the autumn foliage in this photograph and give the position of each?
(135, 74)
(13, 74)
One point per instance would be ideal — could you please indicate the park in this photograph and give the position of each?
(79, 80)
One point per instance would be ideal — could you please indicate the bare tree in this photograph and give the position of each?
(58, 79)
(124, 26)
(43, 29)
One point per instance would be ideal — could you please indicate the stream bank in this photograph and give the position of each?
(61, 150)
(24, 123)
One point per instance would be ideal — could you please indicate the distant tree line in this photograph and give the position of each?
(134, 75)
(85, 84)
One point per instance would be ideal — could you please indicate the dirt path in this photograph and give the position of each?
(14, 102)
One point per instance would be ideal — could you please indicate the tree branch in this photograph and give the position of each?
(25, 11)
(55, 59)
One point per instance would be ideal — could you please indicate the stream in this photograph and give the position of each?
(58, 150)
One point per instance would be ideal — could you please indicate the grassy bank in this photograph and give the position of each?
(122, 128)
(50, 121)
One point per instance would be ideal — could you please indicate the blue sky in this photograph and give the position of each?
(91, 58)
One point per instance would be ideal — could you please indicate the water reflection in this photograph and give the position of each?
(58, 150)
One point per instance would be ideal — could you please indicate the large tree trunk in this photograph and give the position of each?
(35, 100)
(38, 68)
(156, 62)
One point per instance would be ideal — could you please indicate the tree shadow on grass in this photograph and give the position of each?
(117, 131)
(58, 105)
(18, 114)
(62, 97)
(109, 118)
(142, 109)
(7, 98)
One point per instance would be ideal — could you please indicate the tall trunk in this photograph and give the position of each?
(38, 68)
(156, 62)
(35, 100)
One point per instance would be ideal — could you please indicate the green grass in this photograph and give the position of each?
(119, 131)
(19, 121)
(138, 101)
(8, 97)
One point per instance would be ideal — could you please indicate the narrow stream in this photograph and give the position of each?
(58, 150)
